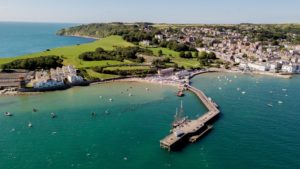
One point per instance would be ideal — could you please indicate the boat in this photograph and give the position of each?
(29, 124)
(110, 100)
(243, 92)
(34, 110)
(8, 114)
(284, 90)
(179, 119)
(53, 115)
(180, 93)
(129, 94)
(280, 102)
(270, 105)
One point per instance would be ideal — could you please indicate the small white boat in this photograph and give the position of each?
(129, 94)
(280, 102)
(110, 100)
(8, 114)
(220, 88)
(29, 124)
(270, 105)
(284, 90)
(243, 92)
(53, 115)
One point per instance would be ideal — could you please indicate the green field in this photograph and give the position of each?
(128, 68)
(166, 52)
(70, 53)
(94, 74)
(174, 56)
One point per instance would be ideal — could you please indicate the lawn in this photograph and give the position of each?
(94, 74)
(70, 53)
(187, 63)
(174, 56)
(128, 68)
(166, 52)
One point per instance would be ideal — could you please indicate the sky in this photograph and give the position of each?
(156, 11)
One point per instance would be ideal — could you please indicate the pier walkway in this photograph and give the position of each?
(192, 130)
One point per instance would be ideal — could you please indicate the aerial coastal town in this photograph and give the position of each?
(249, 54)
(243, 48)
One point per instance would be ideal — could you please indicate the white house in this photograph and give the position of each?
(259, 66)
(289, 68)
(74, 78)
(47, 84)
(159, 37)
(145, 43)
(275, 66)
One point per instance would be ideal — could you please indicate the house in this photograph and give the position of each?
(274, 67)
(50, 83)
(159, 36)
(182, 74)
(259, 66)
(289, 68)
(145, 43)
(74, 79)
(165, 72)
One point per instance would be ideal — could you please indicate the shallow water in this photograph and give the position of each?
(126, 132)
(24, 38)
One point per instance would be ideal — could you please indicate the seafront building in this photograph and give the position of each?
(56, 77)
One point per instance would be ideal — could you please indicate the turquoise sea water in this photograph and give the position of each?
(23, 38)
(126, 132)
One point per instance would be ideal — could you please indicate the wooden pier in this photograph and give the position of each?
(192, 130)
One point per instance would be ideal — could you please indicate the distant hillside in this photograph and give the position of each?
(101, 30)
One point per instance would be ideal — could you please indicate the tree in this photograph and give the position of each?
(212, 55)
(203, 55)
(160, 53)
(182, 54)
(196, 54)
(189, 55)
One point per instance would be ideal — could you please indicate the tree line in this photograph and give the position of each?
(119, 54)
(42, 62)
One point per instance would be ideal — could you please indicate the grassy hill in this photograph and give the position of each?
(70, 53)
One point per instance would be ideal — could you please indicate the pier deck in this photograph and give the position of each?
(193, 129)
